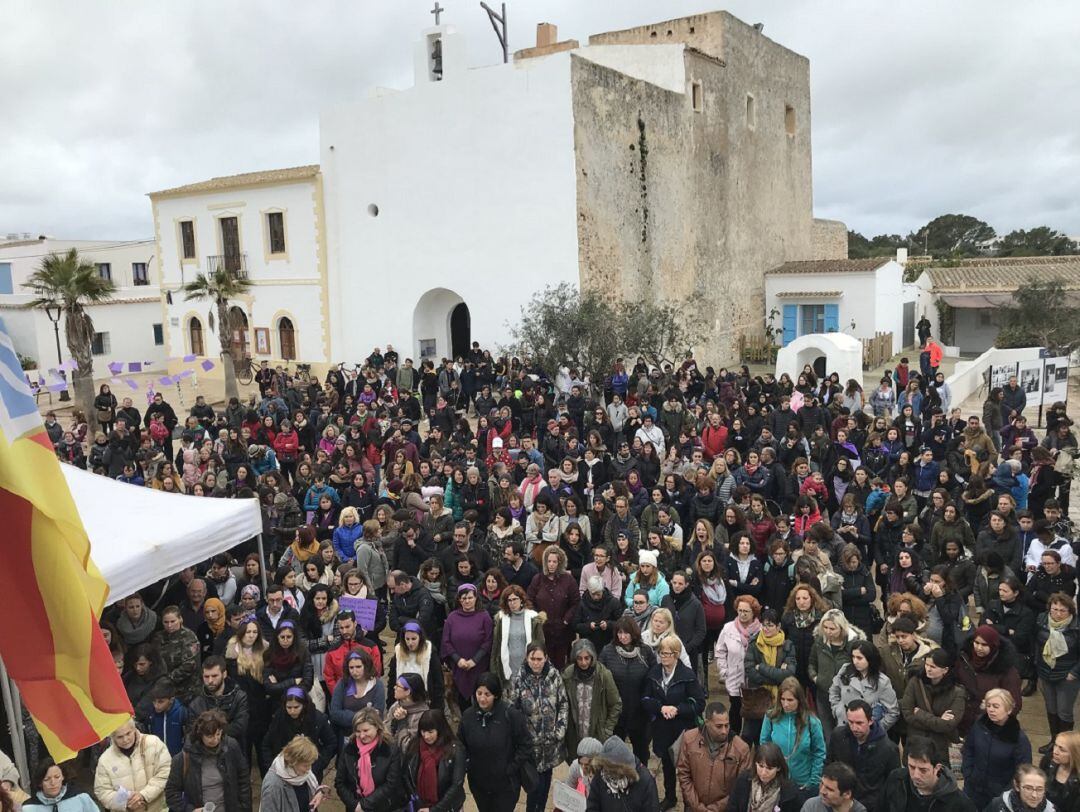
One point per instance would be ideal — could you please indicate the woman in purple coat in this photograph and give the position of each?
(466, 643)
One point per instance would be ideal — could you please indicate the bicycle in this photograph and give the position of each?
(245, 370)
(302, 374)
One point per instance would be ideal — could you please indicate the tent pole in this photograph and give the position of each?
(262, 557)
(13, 709)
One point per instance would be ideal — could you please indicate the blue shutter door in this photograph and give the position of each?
(791, 329)
(832, 318)
(5, 277)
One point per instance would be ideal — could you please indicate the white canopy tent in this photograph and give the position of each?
(139, 535)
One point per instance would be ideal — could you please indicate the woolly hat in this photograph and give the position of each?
(648, 557)
(990, 636)
(616, 752)
(589, 747)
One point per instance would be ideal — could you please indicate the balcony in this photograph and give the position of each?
(236, 264)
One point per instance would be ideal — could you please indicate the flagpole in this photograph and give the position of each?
(13, 709)
(262, 563)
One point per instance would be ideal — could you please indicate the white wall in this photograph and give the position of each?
(128, 320)
(967, 376)
(283, 285)
(873, 300)
(475, 186)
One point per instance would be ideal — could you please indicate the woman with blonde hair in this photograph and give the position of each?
(661, 627)
(993, 748)
(137, 764)
(831, 651)
(369, 767)
(290, 785)
(1062, 768)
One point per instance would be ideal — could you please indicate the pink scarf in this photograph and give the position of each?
(746, 631)
(364, 778)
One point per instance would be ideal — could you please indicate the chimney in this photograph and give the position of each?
(901, 256)
(546, 34)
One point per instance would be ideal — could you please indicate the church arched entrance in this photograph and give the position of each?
(441, 325)
(460, 330)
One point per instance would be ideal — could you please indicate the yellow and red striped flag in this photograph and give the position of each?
(52, 594)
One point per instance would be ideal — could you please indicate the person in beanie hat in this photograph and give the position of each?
(621, 782)
(648, 578)
(582, 768)
(986, 662)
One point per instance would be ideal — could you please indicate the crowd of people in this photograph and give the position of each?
(562, 568)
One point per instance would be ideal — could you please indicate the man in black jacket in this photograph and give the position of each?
(864, 746)
(410, 600)
(220, 693)
(924, 783)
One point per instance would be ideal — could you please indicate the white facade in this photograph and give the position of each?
(423, 215)
(843, 355)
(130, 327)
(865, 302)
(287, 285)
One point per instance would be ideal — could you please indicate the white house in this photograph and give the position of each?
(970, 295)
(859, 297)
(262, 226)
(127, 329)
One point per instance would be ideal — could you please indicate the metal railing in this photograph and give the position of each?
(235, 264)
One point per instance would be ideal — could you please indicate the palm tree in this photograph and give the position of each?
(219, 287)
(71, 283)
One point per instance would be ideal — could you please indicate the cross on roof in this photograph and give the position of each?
(437, 11)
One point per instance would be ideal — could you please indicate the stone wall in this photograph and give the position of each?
(829, 240)
(691, 206)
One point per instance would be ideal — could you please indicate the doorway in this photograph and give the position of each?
(460, 335)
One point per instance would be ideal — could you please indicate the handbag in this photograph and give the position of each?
(530, 777)
(877, 622)
(104, 415)
(755, 702)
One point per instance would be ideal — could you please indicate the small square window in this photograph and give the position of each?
(159, 335)
(100, 344)
(697, 96)
(104, 270)
(139, 274)
(751, 111)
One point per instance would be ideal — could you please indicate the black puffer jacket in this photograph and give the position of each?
(689, 617)
(498, 745)
(450, 773)
(389, 793)
(630, 676)
(607, 608)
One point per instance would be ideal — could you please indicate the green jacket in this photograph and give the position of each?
(603, 713)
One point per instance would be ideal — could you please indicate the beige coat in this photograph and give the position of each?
(145, 772)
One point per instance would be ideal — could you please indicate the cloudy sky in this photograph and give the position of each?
(919, 108)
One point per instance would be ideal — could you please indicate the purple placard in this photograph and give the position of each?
(134, 366)
(207, 366)
(364, 608)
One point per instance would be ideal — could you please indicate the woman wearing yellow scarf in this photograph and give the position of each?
(1058, 662)
(770, 659)
(304, 546)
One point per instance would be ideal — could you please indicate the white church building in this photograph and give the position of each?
(632, 165)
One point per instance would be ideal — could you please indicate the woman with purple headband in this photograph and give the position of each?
(297, 716)
(466, 643)
(415, 654)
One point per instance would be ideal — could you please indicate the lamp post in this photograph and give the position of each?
(54, 312)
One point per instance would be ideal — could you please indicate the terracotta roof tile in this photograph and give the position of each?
(246, 179)
(1004, 274)
(831, 266)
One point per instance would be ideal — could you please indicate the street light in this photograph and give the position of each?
(54, 312)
